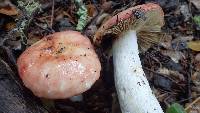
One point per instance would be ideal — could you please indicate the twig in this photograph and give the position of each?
(70, 17)
(183, 100)
(44, 20)
(189, 75)
(42, 27)
(48, 26)
(52, 13)
(190, 105)
(164, 75)
(165, 100)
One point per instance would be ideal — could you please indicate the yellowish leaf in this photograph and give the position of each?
(194, 45)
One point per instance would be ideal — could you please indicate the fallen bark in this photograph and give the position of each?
(14, 98)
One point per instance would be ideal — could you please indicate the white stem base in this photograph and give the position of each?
(134, 92)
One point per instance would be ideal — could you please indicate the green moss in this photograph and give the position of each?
(29, 6)
(175, 108)
(82, 14)
(197, 20)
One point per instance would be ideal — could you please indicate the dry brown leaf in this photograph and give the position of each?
(33, 38)
(173, 74)
(174, 55)
(8, 8)
(107, 5)
(91, 10)
(166, 42)
(9, 26)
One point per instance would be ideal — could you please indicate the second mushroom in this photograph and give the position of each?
(140, 24)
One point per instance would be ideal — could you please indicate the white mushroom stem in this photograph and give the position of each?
(134, 92)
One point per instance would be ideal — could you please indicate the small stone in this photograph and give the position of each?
(77, 98)
(185, 12)
(197, 57)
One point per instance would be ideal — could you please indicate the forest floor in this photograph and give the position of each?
(172, 66)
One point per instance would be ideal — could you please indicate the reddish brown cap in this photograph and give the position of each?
(142, 18)
(59, 66)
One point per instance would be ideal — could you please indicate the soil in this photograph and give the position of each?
(172, 68)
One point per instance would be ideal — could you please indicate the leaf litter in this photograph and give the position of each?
(172, 66)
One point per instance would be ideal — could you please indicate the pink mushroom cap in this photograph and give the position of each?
(59, 66)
